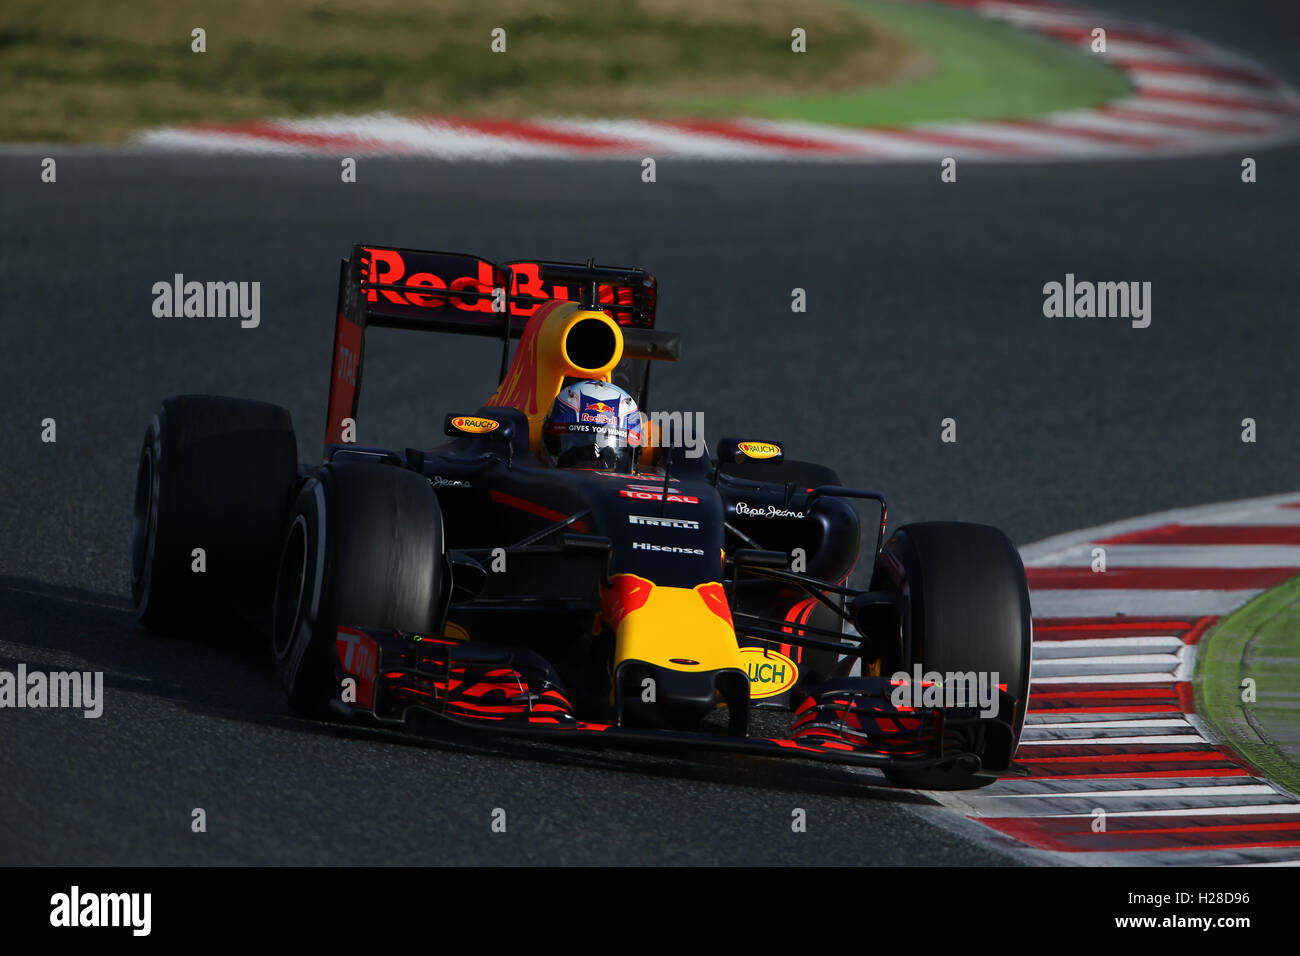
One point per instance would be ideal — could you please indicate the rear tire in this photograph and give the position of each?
(964, 607)
(215, 473)
(363, 547)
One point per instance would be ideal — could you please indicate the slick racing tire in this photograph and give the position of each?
(363, 547)
(964, 606)
(213, 484)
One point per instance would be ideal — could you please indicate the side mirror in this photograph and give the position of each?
(468, 577)
(734, 450)
(876, 616)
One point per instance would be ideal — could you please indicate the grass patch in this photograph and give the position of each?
(1260, 641)
(83, 70)
(87, 71)
(976, 68)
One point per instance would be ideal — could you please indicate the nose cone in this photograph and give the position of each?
(682, 641)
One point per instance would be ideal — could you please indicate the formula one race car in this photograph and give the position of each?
(655, 593)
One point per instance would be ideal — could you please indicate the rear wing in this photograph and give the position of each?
(463, 294)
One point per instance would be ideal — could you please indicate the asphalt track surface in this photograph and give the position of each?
(924, 302)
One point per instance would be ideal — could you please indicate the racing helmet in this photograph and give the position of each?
(592, 425)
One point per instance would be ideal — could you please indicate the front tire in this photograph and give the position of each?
(363, 547)
(214, 474)
(964, 606)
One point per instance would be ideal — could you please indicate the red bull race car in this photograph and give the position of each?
(530, 574)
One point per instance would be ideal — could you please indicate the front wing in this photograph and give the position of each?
(386, 675)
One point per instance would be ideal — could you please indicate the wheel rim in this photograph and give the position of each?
(290, 587)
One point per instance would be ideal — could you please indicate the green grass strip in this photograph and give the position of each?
(1260, 642)
(981, 69)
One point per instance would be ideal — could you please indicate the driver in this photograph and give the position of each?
(592, 425)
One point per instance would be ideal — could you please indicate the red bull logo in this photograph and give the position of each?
(628, 593)
(387, 267)
(715, 596)
(599, 412)
(526, 279)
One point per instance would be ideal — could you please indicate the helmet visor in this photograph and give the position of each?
(593, 445)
